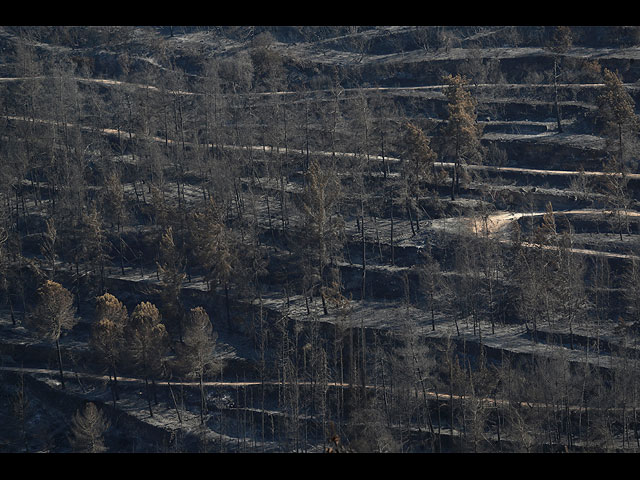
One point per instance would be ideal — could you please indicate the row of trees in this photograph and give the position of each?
(136, 343)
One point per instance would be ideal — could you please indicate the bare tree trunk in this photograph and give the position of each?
(175, 403)
(146, 384)
(60, 362)
(202, 399)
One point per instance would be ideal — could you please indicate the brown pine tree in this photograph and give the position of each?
(147, 341)
(419, 166)
(53, 314)
(196, 355)
(616, 112)
(460, 139)
(87, 429)
(107, 335)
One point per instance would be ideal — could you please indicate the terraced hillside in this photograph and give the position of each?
(405, 239)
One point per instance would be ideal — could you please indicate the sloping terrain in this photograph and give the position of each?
(499, 317)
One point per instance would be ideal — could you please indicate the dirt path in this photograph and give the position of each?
(497, 223)
(260, 148)
(434, 395)
(123, 379)
(506, 86)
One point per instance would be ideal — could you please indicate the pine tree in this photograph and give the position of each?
(21, 411)
(617, 196)
(146, 342)
(87, 430)
(419, 166)
(53, 315)
(107, 335)
(113, 201)
(214, 246)
(616, 111)
(323, 225)
(460, 138)
(48, 246)
(171, 268)
(560, 42)
(93, 244)
(196, 354)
